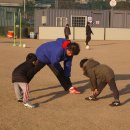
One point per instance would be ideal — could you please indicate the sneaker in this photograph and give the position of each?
(74, 90)
(91, 98)
(115, 103)
(29, 105)
(20, 100)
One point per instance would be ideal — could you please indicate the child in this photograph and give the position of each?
(67, 31)
(88, 34)
(21, 77)
(100, 75)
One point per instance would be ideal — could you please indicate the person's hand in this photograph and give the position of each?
(95, 92)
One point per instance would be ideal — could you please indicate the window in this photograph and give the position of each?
(78, 21)
(61, 21)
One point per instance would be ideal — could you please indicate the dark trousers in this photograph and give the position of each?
(64, 81)
(88, 38)
(113, 87)
(67, 37)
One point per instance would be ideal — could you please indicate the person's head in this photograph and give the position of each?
(67, 25)
(31, 57)
(72, 49)
(88, 23)
(82, 62)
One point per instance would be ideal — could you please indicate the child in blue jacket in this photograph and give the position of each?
(52, 53)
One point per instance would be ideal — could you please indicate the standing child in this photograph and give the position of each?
(21, 77)
(88, 34)
(67, 31)
(100, 75)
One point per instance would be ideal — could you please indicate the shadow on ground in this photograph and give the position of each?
(59, 94)
(122, 76)
(106, 44)
(7, 42)
(124, 90)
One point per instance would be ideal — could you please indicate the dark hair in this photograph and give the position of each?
(74, 47)
(31, 57)
(88, 23)
(82, 62)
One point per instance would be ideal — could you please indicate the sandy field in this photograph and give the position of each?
(57, 109)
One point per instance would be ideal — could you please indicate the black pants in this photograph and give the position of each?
(67, 37)
(88, 38)
(64, 81)
(113, 87)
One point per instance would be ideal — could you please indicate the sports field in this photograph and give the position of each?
(57, 109)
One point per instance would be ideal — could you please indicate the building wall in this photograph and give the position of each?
(53, 13)
(102, 17)
(38, 20)
(7, 16)
(120, 19)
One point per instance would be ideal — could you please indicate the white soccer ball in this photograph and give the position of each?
(87, 47)
(24, 45)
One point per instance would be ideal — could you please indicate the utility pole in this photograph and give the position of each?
(112, 4)
(24, 8)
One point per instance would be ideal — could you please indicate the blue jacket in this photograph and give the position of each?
(53, 53)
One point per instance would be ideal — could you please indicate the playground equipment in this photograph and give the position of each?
(14, 32)
(14, 44)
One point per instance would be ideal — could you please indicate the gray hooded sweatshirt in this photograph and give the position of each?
(96, 71)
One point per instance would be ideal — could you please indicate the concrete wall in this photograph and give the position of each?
(78, 33)
(117, 34)
(52, 32)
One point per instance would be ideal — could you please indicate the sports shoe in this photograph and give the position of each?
(20, 100)
(74, 90)
(91, 98)
(115, 103)
(29, 105)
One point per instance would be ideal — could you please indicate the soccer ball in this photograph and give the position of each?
(87, 47)
(24, 45)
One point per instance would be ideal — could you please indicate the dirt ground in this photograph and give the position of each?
(59, 110)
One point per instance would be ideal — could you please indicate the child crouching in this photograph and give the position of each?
(100, 75)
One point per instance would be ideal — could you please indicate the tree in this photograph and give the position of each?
(29, 14)
(123, 5)
(100, 5)
(66, 4)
